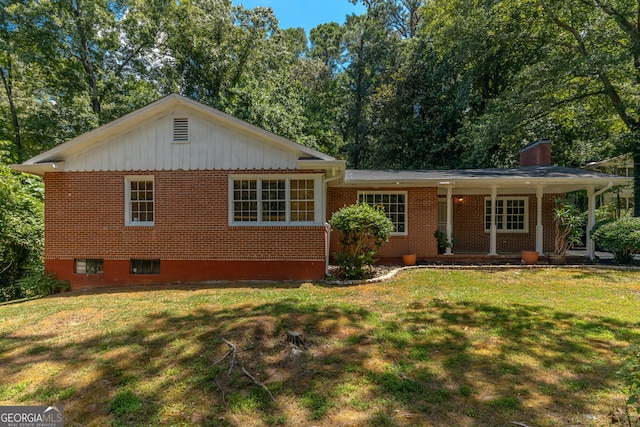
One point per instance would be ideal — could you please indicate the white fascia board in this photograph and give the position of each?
(39, 168)
(337, 165)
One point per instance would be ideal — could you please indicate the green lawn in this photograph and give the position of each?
(432, 347)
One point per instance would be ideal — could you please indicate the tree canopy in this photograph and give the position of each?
(410, 84)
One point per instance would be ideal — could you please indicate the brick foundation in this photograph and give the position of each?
(117, 272)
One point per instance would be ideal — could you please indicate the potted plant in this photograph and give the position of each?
(568, 223)
(443, 242)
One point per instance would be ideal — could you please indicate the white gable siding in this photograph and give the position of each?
(210, 146)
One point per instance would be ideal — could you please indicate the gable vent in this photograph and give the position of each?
(181, 130)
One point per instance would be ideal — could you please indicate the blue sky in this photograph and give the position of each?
(306, 13)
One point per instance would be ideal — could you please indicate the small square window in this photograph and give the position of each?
(88, 266)
(145, 266)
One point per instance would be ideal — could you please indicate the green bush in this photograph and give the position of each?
(40, 284)
(568, 223)
(21, 227)
(621, 237)
(364, 229)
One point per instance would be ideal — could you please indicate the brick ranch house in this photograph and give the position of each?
(180, 192)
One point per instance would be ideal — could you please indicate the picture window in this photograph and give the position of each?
(274, 200)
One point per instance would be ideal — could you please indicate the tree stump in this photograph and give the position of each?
(295, 338)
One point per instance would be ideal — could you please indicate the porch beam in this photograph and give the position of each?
(539, 227)
(494, 229)
(449, 220)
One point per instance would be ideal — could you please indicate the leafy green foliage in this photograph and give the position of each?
(21, 228)
(568, 222)
(630, 375)
(408, 84)
(364, 229)
(621, 237)
(38, 283)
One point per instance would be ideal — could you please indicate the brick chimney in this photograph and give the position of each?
(536, 154)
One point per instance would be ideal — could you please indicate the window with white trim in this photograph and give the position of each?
(512, 214)
(269, 200)
(394, 204)
(139, 193)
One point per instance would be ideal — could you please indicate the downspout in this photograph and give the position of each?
(591, 221)
(327, 227)
(327, 240)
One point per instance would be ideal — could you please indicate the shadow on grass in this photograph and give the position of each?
(434, 362)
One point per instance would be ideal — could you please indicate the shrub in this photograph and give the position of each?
(364, 229)
(621, 237)
(38, 283)
(21, 227)
(568, 226)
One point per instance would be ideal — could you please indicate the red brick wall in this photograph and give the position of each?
(84, 218)
(468, 226)
(422, 221)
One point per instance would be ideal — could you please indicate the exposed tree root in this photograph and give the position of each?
(233, 364)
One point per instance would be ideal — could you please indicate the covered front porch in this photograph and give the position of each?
(488, 213)
(498, 222)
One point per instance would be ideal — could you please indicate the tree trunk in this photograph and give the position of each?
(7, 81)
(85, 59)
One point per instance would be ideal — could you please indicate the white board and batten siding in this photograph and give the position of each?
(211, 146)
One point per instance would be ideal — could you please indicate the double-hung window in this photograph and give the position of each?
(275, 199)
(139, 205)
(512, 214)
(394, 204)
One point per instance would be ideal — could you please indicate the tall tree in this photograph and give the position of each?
(600, 40)
(97, 50)
(369, 52)
(8, 58)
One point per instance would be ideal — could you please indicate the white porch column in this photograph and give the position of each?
(449, 219)
(539, 228)
(591, 221)
(494, 229)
